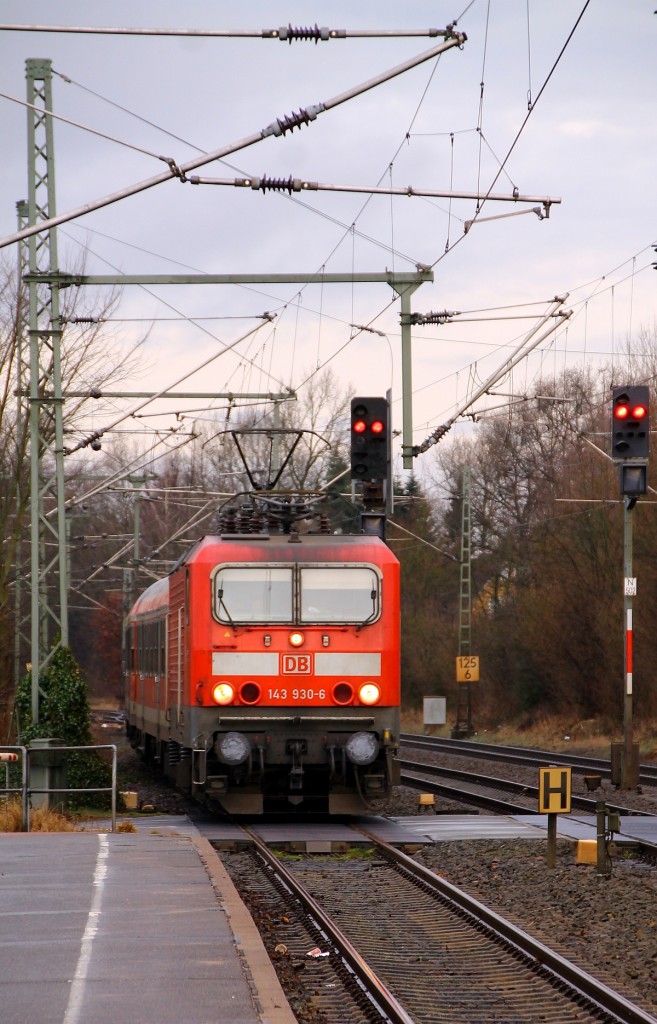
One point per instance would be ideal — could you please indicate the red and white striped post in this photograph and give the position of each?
(629, 770)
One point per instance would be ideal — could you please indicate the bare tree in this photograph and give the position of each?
(92, 357)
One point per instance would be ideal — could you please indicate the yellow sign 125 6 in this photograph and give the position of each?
(467, 668)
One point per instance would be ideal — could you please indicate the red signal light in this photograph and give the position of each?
(377, 427)
(621, 412)
(639, 411)
(359, 427)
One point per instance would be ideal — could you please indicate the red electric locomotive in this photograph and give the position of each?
(263, 673)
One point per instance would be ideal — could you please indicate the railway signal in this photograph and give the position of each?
(370, 429)
(630, 423)
(630, 446)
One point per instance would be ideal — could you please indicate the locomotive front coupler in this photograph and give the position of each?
(296, 748)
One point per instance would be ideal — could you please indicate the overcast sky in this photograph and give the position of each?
(590, 140)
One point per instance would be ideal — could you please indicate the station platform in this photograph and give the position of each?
(102, 927)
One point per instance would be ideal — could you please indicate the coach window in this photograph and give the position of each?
(140, 647)
(338, 594)
(128, 649)
(253, 594)
(162, 638)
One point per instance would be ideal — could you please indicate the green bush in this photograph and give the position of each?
(64, 714)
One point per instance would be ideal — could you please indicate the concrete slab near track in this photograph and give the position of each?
(329, 836)
(634, 827)
(99, 928)
(439, 828)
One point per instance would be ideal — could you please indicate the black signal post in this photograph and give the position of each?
(630, 446)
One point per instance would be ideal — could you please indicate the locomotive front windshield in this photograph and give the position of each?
(253, 594)
(338, 594)
(296, 594)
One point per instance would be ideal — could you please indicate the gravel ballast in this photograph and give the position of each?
(606, 925)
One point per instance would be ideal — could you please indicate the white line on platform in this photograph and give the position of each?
(72, 1015)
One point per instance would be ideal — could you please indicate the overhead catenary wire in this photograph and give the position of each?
(529, 342)
(86, 128)
(139, 462)
(319, 213)
(96, 434)
(523, 125)
(343, 346)
(277, 128)
(352, 228)
(502, 169)
(265, 317)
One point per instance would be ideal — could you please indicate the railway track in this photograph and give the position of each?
(527, 756)
(409, 947)
(491, 793)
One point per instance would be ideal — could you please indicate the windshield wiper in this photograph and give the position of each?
(222, 604)
(372, 616)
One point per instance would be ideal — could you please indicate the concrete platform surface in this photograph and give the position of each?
(100, 928)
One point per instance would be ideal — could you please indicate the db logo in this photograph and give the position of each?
(296, 664)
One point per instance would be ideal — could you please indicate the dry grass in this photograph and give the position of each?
(41, 819)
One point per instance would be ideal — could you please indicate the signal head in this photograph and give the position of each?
(369, 438)
(630, 423)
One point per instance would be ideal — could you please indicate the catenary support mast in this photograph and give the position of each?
(463, 725)
(21, 495)
(48, 576)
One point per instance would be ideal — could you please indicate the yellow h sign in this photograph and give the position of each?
(554, 790)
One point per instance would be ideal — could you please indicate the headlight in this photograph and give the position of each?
(362, 748)
(223, 693)
(232, 748)
(369, 693)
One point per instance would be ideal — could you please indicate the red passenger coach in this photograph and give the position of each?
(263, 674)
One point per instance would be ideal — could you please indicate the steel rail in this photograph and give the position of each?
(381, 996)
(567, 973)
(488, 803)
(581, 802)
(522, 755)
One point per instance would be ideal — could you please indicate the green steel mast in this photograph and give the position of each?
(49, 587)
